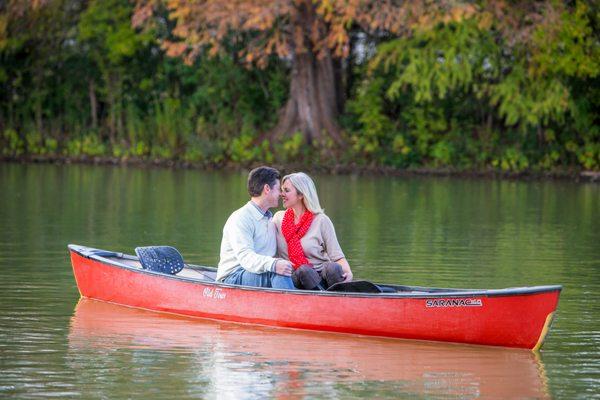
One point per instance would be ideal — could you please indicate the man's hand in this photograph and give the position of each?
(283, 267)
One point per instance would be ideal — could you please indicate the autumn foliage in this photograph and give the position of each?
(314, 36)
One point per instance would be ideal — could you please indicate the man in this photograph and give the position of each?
(249, 243)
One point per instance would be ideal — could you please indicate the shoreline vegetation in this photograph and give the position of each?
(484, 88)
(573, 175)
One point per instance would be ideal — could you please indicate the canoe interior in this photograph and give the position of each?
(189, 271)
(208, 274)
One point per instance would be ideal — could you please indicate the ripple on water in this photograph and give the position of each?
(428, 232)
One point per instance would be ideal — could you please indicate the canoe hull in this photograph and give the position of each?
(519, 320)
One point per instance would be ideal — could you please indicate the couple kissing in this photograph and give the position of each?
(294, 249)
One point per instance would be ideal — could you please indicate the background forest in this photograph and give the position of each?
(470, 86)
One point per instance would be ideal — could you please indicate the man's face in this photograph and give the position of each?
(274, 194)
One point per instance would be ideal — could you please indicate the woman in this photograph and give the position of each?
(305, 236)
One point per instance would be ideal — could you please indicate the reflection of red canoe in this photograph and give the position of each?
(518, 317)
(424, 368)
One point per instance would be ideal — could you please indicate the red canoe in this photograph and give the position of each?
(516, 317)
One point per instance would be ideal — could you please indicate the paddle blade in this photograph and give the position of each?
(355, 287)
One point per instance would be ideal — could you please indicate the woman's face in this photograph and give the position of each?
(290, 195)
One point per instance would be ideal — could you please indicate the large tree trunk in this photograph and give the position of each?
(338, 73)
(313, 105)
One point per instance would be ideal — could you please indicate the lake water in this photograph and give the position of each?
(442, 232)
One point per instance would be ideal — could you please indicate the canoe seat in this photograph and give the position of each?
(165, 259)
(187, 271)
(197, 274)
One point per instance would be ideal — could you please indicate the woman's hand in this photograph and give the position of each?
(347, 275)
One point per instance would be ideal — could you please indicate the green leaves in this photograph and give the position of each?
(570, 48)
(106, 27)
(526, 101)
(461, 92)
(446, 90)
(433, 62)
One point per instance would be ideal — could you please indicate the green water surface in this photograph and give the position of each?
(442, 232)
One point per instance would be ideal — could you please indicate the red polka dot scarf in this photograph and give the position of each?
(293, 233)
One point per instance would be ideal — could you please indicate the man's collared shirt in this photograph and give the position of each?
(249, 241)
(267, 213)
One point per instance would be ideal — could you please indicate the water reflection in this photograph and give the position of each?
(224, 360)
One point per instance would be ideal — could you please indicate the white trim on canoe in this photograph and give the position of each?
(206, 275)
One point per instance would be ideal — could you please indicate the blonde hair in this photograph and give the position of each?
(306, 187)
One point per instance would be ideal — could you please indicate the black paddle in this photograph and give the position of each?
(355, 287)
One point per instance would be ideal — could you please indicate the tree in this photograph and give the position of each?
(313, 36)
(519, 76)
(32, 38)
(106, 36)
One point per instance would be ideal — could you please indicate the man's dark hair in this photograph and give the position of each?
(259, 177)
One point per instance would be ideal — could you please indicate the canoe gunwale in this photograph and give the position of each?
(423, 292)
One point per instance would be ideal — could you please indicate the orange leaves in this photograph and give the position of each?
(334, 19)
(298, 38)
(277, 44)
(18, 8)
(325, 8)
(174, 49)
(210, 23)
(258, 21)
(141, 14)
(283, 27)
(38, 3)
(390, 16)
(460, 13)
(486, 20)
(338, 41)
